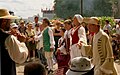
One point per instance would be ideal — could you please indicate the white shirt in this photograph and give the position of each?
(75, 51)
(40, 43)
(61, 45)
(37, 33)
(16, 49)
(118, 30)
(35, 24)
(68, 32)
(107, 27)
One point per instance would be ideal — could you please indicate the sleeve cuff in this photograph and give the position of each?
(106, 71)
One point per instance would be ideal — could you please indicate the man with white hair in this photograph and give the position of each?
(78, 37)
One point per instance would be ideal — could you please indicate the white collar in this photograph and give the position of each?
(44, 29)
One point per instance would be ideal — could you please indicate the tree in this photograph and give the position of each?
(115, 8)
(102, 8)
(66, 8)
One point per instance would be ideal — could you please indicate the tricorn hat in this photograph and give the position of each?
(91, 20)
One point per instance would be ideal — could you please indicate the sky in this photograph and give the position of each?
(27, 8)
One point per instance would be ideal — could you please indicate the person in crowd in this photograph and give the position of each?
(48, 44)
(80, 66)
(14, 29)
(36, 21)
(37, 33)
(30, 42)
(22, 28)
(56, 33)
(115, 47)
(37, 30)
(67, 36)
(39, 44)
(89, 36)
(78, 37)
(107, 27)
(62, 56)
(33, 68)
(13, 49)
(85, 26)
(101, 50)
(35, 25)
(118, 39)
(41, 52)
(118, 29)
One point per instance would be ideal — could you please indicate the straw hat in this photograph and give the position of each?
(91, 20)
(30, 24)
(22, 21)
(79, 66)
(68, 21)
(4, 14)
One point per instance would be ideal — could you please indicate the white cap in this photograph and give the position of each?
(79, 18)
(13, 25)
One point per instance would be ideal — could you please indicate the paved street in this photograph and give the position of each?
(117, 63)
(20, 68)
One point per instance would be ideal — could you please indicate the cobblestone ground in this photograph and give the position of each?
(20, 67)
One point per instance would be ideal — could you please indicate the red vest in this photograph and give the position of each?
(75, 37)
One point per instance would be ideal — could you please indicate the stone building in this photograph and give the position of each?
(48, 13)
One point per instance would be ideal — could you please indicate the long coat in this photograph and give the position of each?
(103, 55)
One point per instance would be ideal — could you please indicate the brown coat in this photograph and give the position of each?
(103, 55)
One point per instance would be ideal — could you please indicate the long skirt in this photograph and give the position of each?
(63, 61)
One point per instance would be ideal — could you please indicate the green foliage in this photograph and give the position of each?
(102, 8)
(102, 21)
(110, 19)
(67, 8)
